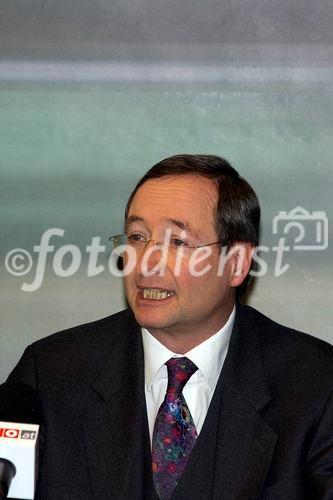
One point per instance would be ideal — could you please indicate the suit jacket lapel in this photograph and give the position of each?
(235, 463)
(244, 447)
(246, 442)
(115, 422)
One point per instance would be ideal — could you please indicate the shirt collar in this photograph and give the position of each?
(208, 356)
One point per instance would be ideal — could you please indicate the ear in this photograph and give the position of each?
(240, 256)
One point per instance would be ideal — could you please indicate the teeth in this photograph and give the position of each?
(153, 294)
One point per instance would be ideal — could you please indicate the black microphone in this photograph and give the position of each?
(20, 416)
(7, 472)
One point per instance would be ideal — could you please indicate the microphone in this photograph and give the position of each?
(20, 415)
(7, 472)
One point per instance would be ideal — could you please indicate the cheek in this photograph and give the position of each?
(202, 265)
(203, 277)
(192, 282)
(202, 262)
(129, 260)
(129, 282)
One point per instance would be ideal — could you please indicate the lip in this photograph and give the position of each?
(154, 286)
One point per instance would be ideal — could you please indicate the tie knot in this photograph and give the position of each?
(179, 372)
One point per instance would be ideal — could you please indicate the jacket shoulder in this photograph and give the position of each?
(275, 333)
(73, 350)
(86, 333)
(293, 360)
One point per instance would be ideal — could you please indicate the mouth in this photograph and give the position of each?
(155, 293)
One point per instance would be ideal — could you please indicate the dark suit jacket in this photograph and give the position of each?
(268, 433)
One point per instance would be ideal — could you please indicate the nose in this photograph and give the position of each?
(150, 260)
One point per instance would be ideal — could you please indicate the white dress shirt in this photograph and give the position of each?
(208, 356)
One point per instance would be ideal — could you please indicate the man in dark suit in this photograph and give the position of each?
(187, 394)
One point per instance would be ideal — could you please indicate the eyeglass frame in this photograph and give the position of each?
(146, 242)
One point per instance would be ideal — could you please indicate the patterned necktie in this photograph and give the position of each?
(174, 433)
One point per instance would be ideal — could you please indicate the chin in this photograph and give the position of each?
(148, 319)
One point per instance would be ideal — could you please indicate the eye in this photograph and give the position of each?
(177, 242)
(135, 238)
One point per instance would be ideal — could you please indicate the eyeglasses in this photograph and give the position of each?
(138, 242)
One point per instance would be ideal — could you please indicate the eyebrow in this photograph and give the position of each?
(179, 223)
(176, 222)
(131, 219)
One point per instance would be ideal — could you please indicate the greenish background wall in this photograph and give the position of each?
(71, 153)
(94, 93)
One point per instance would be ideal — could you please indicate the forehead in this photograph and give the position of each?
(189, 198)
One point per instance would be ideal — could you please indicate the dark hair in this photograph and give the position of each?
(237, 215)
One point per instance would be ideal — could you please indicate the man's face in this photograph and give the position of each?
(184, 207)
